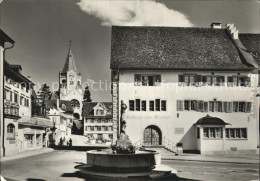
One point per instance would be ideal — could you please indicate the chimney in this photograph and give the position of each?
(232, 30)
(29, 78)
(216, 25)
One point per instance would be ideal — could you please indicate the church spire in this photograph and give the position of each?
(69, 63)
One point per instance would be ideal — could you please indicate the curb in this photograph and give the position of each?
(213, 161)
(3, 159)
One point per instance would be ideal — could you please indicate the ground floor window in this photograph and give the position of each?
(236, 133)
(28, 140)
(10, 131)
(38, 140)
(110, 136)
(212, 132)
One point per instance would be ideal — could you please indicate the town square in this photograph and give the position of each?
(129, 90)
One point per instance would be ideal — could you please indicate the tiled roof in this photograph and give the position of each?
(69, 63)
(87, 110)
(208, 120)
(53, 104)
(251, 42)
(174, 48)
(35, 121)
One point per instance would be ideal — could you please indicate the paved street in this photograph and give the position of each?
(59, 165)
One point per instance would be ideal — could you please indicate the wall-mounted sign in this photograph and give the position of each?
(178, 130)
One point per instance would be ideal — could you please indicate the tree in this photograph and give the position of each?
(44, 93)
(87, 95)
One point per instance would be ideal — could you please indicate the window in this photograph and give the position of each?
(188, 80)
(218, 106)
(205, 107)
(206, 132)
(241, 106)
(200, 106)
(157, 80)
(151, 80)
(131, 105)
(137, 104)
(179, 105)
(236, 133)
(211, 106)
(198, 133)
(7, 94)
(138, 80)
(151, 105)
(11, 96)
(15, 97)
(248, 107)
(10, 131)
(229, 107)
(157, 104)
(143, 105)
(98, 128)
(212, 132)
(106, 128)
(186, 105)
(147, 80)
(163, 105)
(91, 128)
(239, 81)
(144, 80)
(193, 106)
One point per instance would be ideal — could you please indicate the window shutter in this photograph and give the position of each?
(248, 107)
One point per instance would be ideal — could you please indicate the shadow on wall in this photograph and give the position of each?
(189, 141)
(77, 127)
(78, 174)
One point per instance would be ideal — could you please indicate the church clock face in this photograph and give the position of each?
(72, 77)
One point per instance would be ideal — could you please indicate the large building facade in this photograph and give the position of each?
(98, 125)
(190, 87)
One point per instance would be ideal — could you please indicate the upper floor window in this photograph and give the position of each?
(147, 80)
(213, 106)
(216, 80)
(143, 105)
(239, 81)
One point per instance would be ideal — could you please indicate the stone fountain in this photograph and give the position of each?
(124, 160)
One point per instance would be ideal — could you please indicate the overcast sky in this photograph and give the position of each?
(42, 30)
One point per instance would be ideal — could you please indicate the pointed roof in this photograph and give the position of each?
(69, 63)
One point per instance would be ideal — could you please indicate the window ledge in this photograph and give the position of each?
(236, 139)
(212, 138)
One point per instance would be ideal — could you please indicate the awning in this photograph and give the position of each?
(208, 120)
(35, 121)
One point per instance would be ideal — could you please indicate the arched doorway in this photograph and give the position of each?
(152, 136)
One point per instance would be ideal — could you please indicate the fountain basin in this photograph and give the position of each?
(106, 160)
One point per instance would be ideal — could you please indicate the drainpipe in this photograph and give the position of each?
(3, 97)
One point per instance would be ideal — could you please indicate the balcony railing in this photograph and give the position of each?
(11, 108)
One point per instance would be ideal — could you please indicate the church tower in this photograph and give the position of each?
(70, 83)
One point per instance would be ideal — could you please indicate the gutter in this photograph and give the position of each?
(7, 48)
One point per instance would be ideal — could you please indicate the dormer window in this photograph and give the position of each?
(63, 106)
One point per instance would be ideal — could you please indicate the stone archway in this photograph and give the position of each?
(152, 136)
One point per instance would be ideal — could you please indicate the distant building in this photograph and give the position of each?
(60, 114)
(70, 85)
(97, 118)
(193, 88)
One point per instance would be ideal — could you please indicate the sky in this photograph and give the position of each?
(42, 30)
